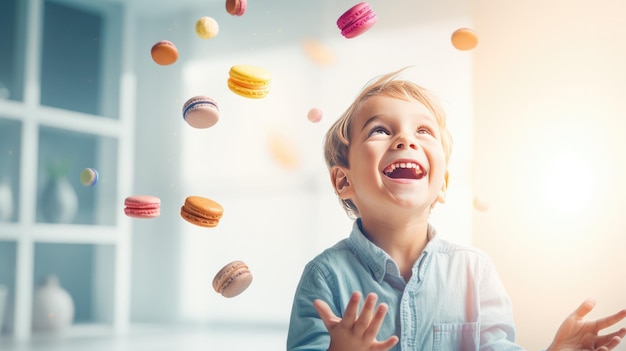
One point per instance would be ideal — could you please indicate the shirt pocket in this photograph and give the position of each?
(456, 336)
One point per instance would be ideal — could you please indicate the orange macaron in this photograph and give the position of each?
(201, 211)
(464, 39)
(164, 53)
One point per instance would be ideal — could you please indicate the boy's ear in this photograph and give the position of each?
(341, 183)
(441, 198)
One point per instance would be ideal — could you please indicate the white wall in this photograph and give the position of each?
(549, 162)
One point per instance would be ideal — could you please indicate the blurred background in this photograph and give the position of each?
(536, 112)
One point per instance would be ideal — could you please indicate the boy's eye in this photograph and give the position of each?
(424, 130)
(378, 130)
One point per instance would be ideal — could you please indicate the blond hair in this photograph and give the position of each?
(337, 139)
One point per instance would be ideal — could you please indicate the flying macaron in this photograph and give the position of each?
(142, 206)
(201, 211)
(236, 7)
(464, 39)
(249, 81)
(201, 112)
(164, 53)
(232, 279)
(356, 20)
(88, 177)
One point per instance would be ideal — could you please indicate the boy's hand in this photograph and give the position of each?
(576, 334)
(355, 332)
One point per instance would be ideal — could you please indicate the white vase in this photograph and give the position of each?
(6, 201)
(53, 307)
(59, 201)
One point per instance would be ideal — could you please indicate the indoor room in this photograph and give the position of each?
(90, 116)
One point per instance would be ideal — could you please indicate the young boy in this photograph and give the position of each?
(387, 157)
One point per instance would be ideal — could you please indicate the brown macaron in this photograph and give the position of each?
(232, 279)
(201, 211)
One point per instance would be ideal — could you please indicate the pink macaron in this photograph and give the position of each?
(357, 20)
(236, 7)
(201, 112)
(142, 206)
(232, 279)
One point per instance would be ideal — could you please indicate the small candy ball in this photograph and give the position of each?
(464, 39)
(480, 205)
(284, 150)
(89, 177)
(207, 27)
(319, 53)
(314, 115)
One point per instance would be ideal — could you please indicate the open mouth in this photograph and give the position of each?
(404, 170)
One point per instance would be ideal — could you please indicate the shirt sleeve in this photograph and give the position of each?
(306, 329)
(497, 329)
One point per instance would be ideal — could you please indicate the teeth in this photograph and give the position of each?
(397, 165)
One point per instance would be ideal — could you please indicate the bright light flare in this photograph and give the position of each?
(568, 183)
(561, 178)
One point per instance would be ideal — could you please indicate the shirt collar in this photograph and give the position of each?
(375, 258)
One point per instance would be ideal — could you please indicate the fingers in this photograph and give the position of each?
(362, 327)
(351, 316)
(351, 312)
(606, 322)
(326, 314)
(601, 323)
(584, 309)
(385, 345)
(613, 342)
(376, 321)
(610, 341)
(365, 318)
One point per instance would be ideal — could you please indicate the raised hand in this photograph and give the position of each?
(576, 334)
(356, 332)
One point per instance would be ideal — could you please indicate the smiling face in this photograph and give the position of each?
(342, 135)
(396, 158)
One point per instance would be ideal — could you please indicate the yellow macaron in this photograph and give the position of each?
(249, 81)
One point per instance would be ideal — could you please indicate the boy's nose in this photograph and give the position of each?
(402, 144)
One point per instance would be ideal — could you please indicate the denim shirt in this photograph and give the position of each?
(454, 299)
